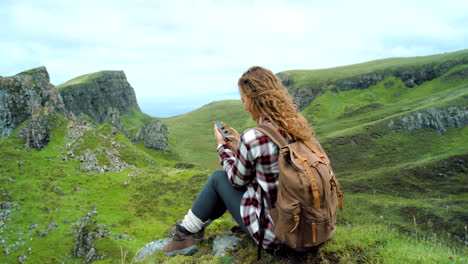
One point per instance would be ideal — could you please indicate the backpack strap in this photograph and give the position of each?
(273, 134)
(261, 226)
(317, 152)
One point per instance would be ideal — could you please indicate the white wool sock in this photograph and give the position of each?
(192, 223)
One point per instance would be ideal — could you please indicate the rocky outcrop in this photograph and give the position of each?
(114, 163)
(36, 134)
(153, 135)
(94, 94)
(25, 95)
(438, 119)
(303, 97)
(86, 233)
(113, 119)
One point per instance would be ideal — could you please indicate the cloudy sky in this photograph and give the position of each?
(179, 55)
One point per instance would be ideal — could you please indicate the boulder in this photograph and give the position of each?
(153, 135)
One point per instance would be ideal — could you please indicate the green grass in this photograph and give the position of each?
(377, 243)
(404, 191)
(86, 78)
(32, 70)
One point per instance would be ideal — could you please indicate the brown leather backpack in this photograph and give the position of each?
(304, 214)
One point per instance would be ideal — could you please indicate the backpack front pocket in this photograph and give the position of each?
(315, 231)
(287, 227)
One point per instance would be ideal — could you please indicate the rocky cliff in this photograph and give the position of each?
(103, 96)
(27, 95)
(97, 94)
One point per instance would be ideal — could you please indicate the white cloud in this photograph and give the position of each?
(168, 48)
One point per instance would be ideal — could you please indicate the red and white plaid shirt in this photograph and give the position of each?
(255, 165)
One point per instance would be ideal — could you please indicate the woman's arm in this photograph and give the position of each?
(240, 167)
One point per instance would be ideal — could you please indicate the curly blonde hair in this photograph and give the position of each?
(270, 99)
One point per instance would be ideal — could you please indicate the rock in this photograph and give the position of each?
(151, 248)
(285, 79)
(36, 133)
(85, 234)
(222, 244)
(1, 223)
(42, 234)
(90, 163)
(7, 251)
(182, 165)
(57, 189)
(302, 97)
(6, 205)
(153, 135)
(113, 118)
(90, 256)
(51, 225)
(22, 258)
(76, 129)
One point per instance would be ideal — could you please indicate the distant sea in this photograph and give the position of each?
(173, 106)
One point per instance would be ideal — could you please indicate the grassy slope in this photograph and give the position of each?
(144, 209)
(81, 79)
(303, 78)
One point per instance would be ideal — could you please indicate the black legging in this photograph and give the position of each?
(216, 196)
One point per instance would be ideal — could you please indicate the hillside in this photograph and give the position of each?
(191, 134)
(97, 186)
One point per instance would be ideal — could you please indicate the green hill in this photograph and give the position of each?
(438, 63)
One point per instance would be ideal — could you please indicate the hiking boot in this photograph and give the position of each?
(182, 244)
(199, 236)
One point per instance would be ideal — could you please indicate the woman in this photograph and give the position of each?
(253, 168)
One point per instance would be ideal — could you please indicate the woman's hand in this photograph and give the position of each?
(218, 136)
(235, 136)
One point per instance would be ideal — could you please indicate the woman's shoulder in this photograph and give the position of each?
(251, 135)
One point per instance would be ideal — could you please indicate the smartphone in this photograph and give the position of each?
(221, 129)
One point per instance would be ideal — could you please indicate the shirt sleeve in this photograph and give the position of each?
(240, 166)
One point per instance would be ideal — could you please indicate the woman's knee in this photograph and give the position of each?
(218, 175)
